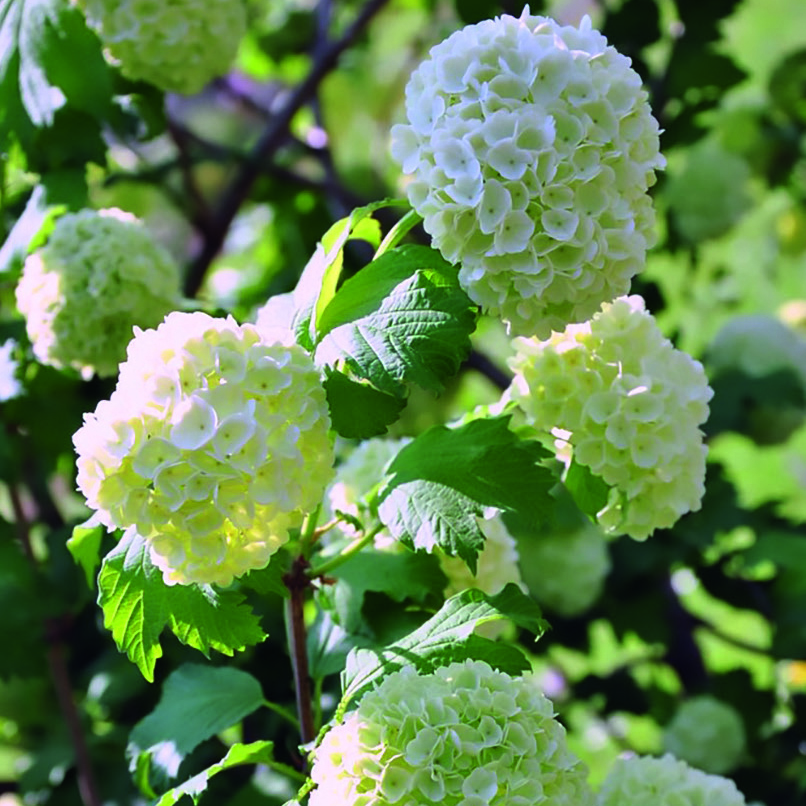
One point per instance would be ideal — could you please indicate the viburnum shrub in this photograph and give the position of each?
(532, 147)
(706, 733)
(99, 274)
(629, 404)
(177, 45)
(287, 490)
(464, 734)
(665, 781)
(212, 446)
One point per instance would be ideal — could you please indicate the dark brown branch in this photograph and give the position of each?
(271, 138)
(482, 363)
(200, 210)
(297, 582)
(57, 665)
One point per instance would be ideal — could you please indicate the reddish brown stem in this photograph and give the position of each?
(298, 583)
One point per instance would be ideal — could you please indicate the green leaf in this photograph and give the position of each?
(36, 215)
(358, 410)
(439, 483)
(138, 605)
(238, 754)
(85, 546)
(318, 282)
(196, 703)
(590, 492)
(400, 575)
(403, 318)
(448, 637)
(49, 58)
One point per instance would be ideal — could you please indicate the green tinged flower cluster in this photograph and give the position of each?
(629, 404)
(565, 571)
(642, 780)
(707, 733)
(532, 147)
(177, 45)
(98, 275)
(214, 443)
(464, 734)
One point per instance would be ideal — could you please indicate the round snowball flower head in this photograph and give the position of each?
(98, 275)
(566, 571)
(177, 45)
(630, 406)
(214, 443)
(758, 345)
(464, 734)
(707, 733)
(532, 148)
(641, 780)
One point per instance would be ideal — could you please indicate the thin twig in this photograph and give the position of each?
(200, 210)
(271, 138)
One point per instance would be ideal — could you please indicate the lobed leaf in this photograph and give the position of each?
(138, 605)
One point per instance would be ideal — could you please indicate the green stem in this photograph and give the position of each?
(342, 557)
(283, 712)
(398, 232)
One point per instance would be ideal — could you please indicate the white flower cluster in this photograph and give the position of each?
(707, 733)
(497, 562)
(214, 443)
(630, 405)
(98, 275)
(566, 571)
(177, 45)
(465, 734)
(532, 147)
(642, 780)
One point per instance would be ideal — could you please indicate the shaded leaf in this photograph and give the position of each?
(197, 702)
(358, 410)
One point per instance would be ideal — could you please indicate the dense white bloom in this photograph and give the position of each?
(98, 275)
(532, 147)
(629, 404)
(178, 45)
(10, 386)
(641, 780)
(497, 563)
(566, 571)
(214, 443)
(465, 734)
(707, 733)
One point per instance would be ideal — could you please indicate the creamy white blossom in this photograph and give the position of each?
(565, 571)
(98, 275)
(707, 733)
(532, 147)
(465, 735)
(177, 45)
(642, 780)
(629, 404)
(214, 443)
